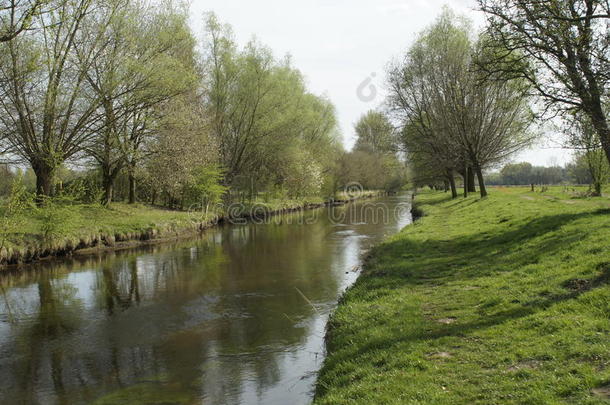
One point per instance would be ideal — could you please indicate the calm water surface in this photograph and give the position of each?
(234, 317)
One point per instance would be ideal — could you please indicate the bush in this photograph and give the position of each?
(13, 208)
(86, 190)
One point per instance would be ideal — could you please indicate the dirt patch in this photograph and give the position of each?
(577, 284)
(525, 365)
(527, 197)
(447, 321)
(440, 355)
(602, 392)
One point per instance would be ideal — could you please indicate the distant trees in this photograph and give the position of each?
(561, 48)
(454, 118)
(517, 173)
(375, 133)
(525, 174)
(373, 162)
(579, 171)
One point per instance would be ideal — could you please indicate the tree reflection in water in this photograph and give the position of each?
(220, 318)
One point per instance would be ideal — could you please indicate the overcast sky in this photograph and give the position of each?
(341, 45)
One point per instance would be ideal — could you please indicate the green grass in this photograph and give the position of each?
(64, 226)
(77, 221)
(503, 300)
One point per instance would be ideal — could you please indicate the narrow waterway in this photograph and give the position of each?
(236, 316)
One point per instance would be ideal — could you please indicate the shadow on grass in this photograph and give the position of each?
(437, 262)
(480, 255)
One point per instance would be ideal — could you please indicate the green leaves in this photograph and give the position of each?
(260, 112)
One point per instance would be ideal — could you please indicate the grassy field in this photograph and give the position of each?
(504, 300)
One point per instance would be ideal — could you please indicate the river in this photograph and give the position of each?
(236, 316)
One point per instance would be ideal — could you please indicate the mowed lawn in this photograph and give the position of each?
(503, 300)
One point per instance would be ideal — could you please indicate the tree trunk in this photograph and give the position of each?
(482, 187)
(132, 188)
(453, 187)
(108, 192)
(153, 198)
(471, 186)
(600, 123)
(598, 188)
(451, 179)
(44, 182)
(465, 177)
(108, 179)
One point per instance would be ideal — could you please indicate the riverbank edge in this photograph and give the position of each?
(348, 375)
(99, 242)
(416, 214)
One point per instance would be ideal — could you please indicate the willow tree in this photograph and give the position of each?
(472, 120)
(45, 114)
(261, 112)
(146, 59)
(563, 47)
(417, 85)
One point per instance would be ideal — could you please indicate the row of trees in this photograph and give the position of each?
(453, 117)
(584, 169)
(462, 101)
(93, 81)
(123, 90)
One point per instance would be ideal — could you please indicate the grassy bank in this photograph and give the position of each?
(62, 229)
(504, 300)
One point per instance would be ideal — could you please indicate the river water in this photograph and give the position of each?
(236, 316)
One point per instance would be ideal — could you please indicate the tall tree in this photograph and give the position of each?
(563, 48)
(147, 59)
(375, 133)
(473, 121)
(46, 115)
(261, 112)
